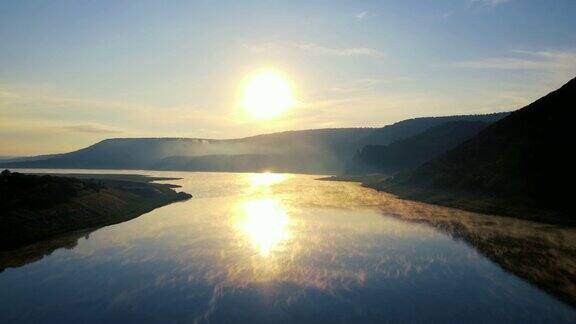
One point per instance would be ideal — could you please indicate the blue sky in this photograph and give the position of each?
(75, 72)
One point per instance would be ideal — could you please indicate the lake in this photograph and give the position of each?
(252, 248)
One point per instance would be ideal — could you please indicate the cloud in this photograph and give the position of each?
(39, 127)
(356, 85)
(377, 109)
(526, 60)
(361, 15)
(316, 49)
(364, 85)
(521, 76)
(331, 51)
(91, 129)
(26, 109)
(19, 99)
(489, 3)
(447, 14)
(6, 94)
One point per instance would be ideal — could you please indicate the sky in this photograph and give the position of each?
(76, 72)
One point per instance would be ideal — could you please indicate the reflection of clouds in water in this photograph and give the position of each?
(308, 234)
(289, 235)
(268, 231)
(329, 251)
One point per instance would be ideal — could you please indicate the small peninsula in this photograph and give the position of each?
(39, 207)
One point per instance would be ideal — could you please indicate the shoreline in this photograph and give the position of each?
(464, 202)
(97, 201)
(472, 203)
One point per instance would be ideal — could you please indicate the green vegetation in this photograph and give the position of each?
(38, 207)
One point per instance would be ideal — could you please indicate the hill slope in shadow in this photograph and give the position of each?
(517, 166)
(411, 127)
(410, 152)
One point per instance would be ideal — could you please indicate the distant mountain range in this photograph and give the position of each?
(321, 150)
(504, 163)
(517, 166)
(410, 152)
(309, 151)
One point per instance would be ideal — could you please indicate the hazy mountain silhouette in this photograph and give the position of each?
(306, 151)
(313, 163)
(412, 151)
(320, 150)
(411, 127)
(517, 166)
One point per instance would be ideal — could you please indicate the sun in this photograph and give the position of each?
(266, 94)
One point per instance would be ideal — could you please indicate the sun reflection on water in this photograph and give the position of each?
(265, 179)
(261, 218)
(265, 223)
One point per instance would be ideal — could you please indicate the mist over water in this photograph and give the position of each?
(282, 248)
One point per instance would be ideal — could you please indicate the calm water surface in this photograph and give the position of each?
(271, 248)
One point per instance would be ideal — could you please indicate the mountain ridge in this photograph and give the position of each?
(412, 151)
(321, 151)
(516, 166)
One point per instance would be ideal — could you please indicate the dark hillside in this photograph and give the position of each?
(34, 208)
(411, 127)
(518, 166)
(411, 152)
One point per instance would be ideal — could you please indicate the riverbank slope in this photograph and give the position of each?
(38, 207)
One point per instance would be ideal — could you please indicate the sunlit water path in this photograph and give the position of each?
(272, 248)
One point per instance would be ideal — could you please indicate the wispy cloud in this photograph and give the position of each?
(361, 15)
(6, 94)
(26, 110)
(356, 85)
(447, 14)
(376, 109)
(15, 99)
(318, 49)
(364, 85)
(351, 51)
(526, 60)
(489, 3)
(91, 129)
(521, 76)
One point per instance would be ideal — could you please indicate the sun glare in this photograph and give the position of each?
(266, 94)
(265, 179)
(265, 224)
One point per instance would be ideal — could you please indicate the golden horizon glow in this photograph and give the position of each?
(265, 223)
(266, 94)
(266, 179)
